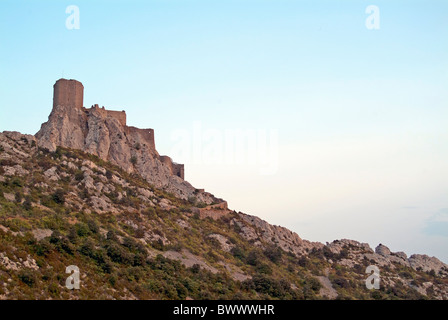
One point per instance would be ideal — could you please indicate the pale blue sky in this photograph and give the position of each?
(361, 115)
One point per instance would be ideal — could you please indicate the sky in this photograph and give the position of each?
(326, 117)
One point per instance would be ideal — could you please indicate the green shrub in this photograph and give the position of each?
(27, 277)
(119, 254)
(93, 226)
(58, 196)
(313, 284)
(79, 175)
(82, 229)
(61, 244)
(27, 204)
(273, 253)
(43, 247)
(253, 258)
(17, 182)
(264, 269)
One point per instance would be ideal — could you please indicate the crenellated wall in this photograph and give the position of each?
(119, 115)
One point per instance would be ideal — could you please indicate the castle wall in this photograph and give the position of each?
(178, 170)
(214, 211)
(120, 116)
(146, 136)
(167, 161)
(175, 168)
(69, 93)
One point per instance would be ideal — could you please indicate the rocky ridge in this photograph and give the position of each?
(96, 188)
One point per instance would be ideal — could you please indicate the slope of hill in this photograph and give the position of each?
(132, 240)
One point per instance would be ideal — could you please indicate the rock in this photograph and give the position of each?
(40, 234)
(184, 224)
(327, 289)
(16, 170)
(188, 259)
(401, 255)
(146, 193)
(30, 263)
(165, 204)
(426, 263)
(41, 185)
(7, 263)
(9, 196)
(88, 182)
(72, 166)
(276, 235)
(235, 272)
(337, 245)
(25, 142)
(382, 250)
(102, 204)
(226, 245)
(51, 174)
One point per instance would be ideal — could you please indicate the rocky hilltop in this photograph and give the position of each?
(73, 195)
(105, 134)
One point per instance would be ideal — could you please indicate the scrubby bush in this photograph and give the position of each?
(273, 253)
(313, 284)
(253, 258)
(341, 283)
(82, 229)
(58, 196)
(269, 286)
(119, 254)
(93, 226)
(43, 247)
(79, 175)
(27, 277)
(264, 269)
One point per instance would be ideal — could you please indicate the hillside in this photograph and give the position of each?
(134, 240)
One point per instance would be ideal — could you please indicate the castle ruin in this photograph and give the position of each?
(70, 93)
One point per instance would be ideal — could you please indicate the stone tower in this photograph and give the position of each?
(68, 93)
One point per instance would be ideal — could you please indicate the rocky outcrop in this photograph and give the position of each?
(105, 134)
(426, 263)
(257, 230)
(382, 250)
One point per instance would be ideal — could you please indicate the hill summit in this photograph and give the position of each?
(105, 134)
